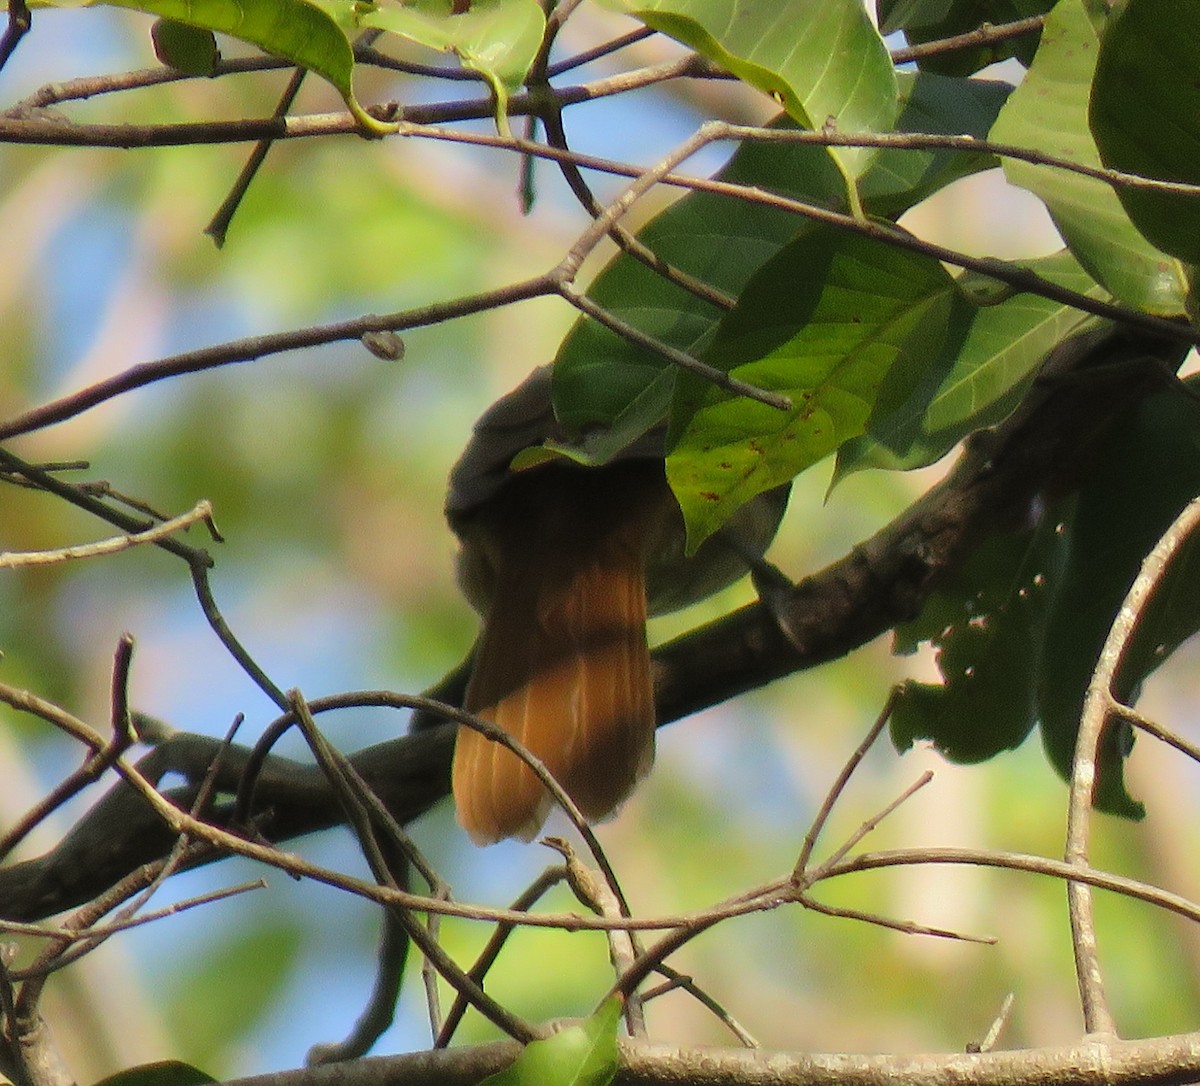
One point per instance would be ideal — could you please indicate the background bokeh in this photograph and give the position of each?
(326, 470)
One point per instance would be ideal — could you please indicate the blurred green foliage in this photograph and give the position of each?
(326, 472)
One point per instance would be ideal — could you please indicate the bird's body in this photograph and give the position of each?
(565, 563)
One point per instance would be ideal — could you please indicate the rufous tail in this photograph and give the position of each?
(563, 667)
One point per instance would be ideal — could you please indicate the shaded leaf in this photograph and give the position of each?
(826, 323)
(162, 1073)
(616, 391)
(1145, 114)
(987, 625)
(1048, 112)
(185, 48)
(932, 20)
(582, 1055)
(1147, 473)
(941, 106)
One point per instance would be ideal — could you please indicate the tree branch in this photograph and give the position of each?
(885, 580)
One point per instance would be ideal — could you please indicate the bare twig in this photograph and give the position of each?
(548, 879)
(255, 347)
(987, 34)
(623, 948)
(101, 548)
(355, 802)
(1097, 706)
(19, 23)
(994, 1030)
(218, 226)
(839, 785)
(1152, 727)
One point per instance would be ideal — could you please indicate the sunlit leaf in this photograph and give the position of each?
(1048, 113)
(497, 38)
(582, 1055)
(822, 60)
(1145, 114)
(827, 323)
(292, 29)
(992, 350)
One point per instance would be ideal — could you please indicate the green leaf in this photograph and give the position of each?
(827, 323)
(992, 350)
(1145, 115)
(185, 48)
(293, 29)
(497, 38)
(933, 20)
(582, 1055)
(1048, 112)
(1146, 475)
(935, 105)
(615, 391)
(987, 625)
(822, 60)
(162, 1073)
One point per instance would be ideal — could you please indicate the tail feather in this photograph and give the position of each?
(563, 667)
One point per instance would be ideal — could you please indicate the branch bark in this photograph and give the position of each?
(1039, 454)
(1163, 1061)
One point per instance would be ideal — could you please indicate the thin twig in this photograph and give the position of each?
(873, 822)
(547, 880)
(255, 347)
(218, 226)
(1097, 706)
(358, 815)
(839, 785)
(983, 35)
(998, 1024)
(905, 927)
(605, 49)
(1157, 730)
(201, 512)
(19, 24)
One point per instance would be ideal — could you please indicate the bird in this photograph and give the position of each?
(565, 563)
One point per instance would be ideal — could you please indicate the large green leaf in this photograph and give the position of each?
(1145, 114)
(497, 38)
(582, 1055)
(822, 60)
(828, 322)
(1048, 112)
(293, 29)
(935, 105)
(608, 386)
(991, 352)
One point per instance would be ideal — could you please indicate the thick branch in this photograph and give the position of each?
(1039, 454)
(1163, 1061)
